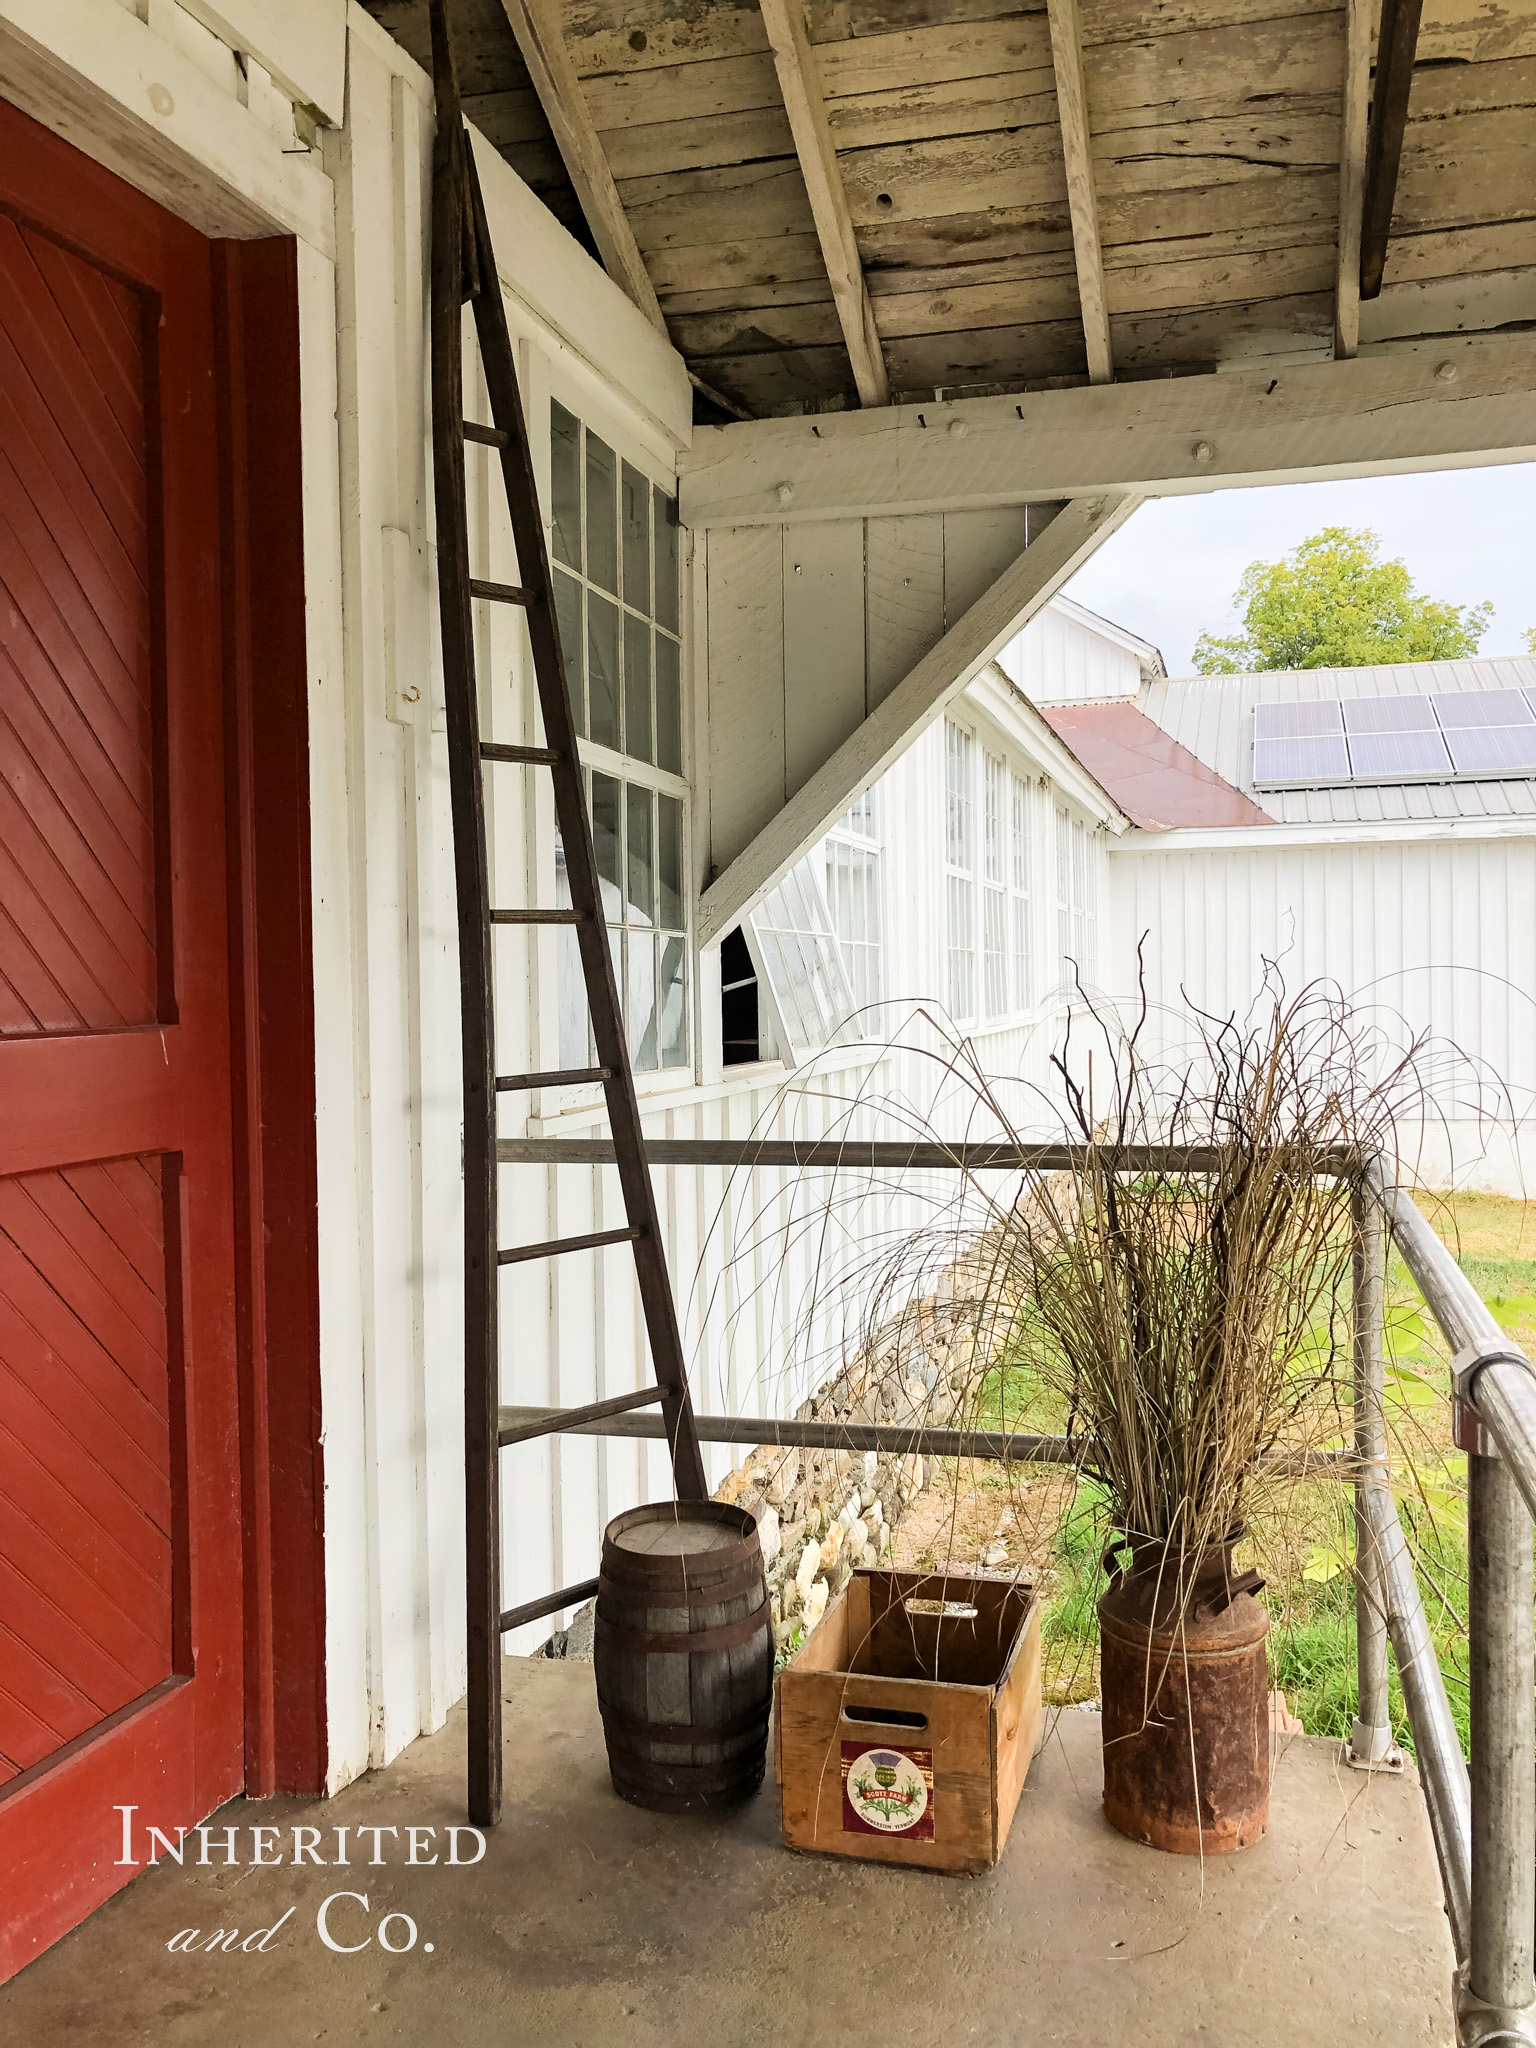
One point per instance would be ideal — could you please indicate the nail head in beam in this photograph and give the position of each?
(1082, 203)
(535, 1610)
(519, 1254)
(1395, 50)
(554, 1420)
(800, 88)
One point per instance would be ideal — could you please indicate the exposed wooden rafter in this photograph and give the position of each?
(1463, 400)
(1395, 50)
(1072, 105)
(795, 62)
(1357, 110)
(536, 24)
(942, 673)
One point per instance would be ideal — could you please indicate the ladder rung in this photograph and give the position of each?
(519, 1253)
(563, 1077)
(538, 917)
(556, 1419)
(502, 593)
(535, 1610)
(493, 437)
(535, 757)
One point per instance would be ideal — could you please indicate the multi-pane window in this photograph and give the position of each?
(615, 566)
(1020, 930)
(960, 863)
(852, 851)
(637, 836)
(994, 886)
(614, 544)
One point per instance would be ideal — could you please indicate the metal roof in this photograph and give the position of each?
(1213, 717)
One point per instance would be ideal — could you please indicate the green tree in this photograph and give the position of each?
(1530, 639)
(1333, 603)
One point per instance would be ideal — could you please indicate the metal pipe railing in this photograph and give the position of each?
(1488, 1864)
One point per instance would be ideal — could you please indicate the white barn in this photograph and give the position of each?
(231, 1102)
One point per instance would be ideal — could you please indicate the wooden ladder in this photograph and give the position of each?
(464, 268)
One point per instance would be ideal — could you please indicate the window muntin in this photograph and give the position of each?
(1021, 964)
(803, 962)
(852, 865)
(960, 855)
(614, 543)
(994, 895)
(1076, 898)
(615, 567)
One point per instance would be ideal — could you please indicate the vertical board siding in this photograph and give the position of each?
(746, 686)
(824, 697)
(77, 812)
(85, 1511)
(1435, 940)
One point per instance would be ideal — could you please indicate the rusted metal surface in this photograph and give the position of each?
(684, 1655)
(1158, 783)
(1185, 1705)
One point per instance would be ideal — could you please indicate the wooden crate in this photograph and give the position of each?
(939, 1675)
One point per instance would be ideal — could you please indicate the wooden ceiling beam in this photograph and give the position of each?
(1395, 50)
(1357, 111)
(1072, 105)
(541, 38)
(799, 83)
(1464, 400)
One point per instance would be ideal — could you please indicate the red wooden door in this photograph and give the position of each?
(120, 1589)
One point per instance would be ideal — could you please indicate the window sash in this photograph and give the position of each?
(802, 962)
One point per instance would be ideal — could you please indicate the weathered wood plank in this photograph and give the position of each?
(800, 84)
(749, 261)
(1072, 106)
(744, 201)
(773, 378)
(1357, 104)
(701, 143)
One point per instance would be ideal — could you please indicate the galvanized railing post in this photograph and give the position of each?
(1499, 1996)
(1370, 1746)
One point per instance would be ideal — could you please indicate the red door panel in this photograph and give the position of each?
(120, 1562)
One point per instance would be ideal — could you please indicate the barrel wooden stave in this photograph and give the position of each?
(654, 1691)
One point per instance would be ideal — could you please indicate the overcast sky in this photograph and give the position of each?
(1467, 535)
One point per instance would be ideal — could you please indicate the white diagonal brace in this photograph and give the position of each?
(799, 83)
(1072, 105)
(1357, 108)
(976, 637)
(536, 24)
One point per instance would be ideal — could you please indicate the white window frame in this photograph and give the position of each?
(799, 962)
(1021, 923)
(630, 770)
(1077, 905)
(960, 870)
(855, 848)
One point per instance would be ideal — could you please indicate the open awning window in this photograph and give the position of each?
(801, 962)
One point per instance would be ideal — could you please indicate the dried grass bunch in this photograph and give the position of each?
(1188, 1273)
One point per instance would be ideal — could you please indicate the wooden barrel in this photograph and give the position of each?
(684, 1655)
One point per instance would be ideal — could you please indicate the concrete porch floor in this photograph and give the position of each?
(589, 1922)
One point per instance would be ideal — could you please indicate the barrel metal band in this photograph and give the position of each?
(623, 1728)
(726, 1636)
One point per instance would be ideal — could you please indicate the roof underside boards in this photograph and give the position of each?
(1215, 135)
(1159, 784)
(1213, 717)
(498, 94)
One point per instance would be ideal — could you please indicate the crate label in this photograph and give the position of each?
(887, 1791)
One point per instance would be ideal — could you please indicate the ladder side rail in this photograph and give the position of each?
(482, 1505)
(581, 862)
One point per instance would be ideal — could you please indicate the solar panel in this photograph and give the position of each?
(1299, 762)
(1296, 721)
(1482, 707)
(1390, 754)
(1387, 714)
(1494, 749)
